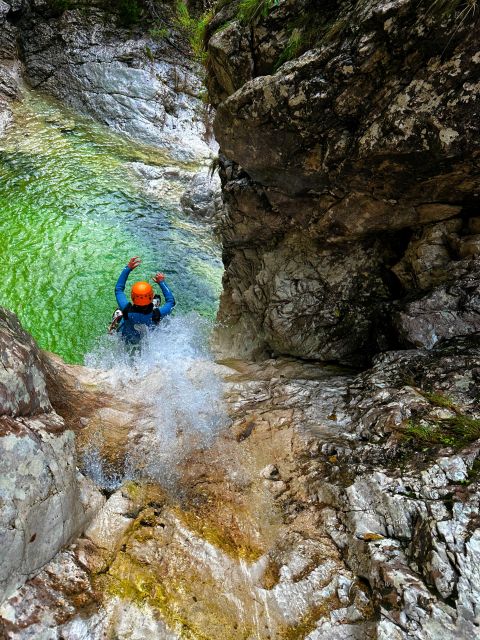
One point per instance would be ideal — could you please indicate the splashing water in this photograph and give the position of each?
(172, 379)
(101, 472)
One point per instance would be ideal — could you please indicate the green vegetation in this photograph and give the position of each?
(439, 400)
(250, 10)
(59, 6)
(453, 432)
(334, 30)
(149, 53)
(309, 31)
(129, 12)
(294, 46)
(194, 28)
(474, 472)
(447, 8)
(159, 33)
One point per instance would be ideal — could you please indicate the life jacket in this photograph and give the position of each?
(150, 309)
(145, 310)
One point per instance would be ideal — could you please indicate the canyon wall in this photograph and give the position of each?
(139, 80)
(333, 505)
(350, 176)
(44, 501)
(9, 65)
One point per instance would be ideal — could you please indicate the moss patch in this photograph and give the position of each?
(309, 622)
(136, 583)
(439, 400)
(454, 432)
(222, 538)
(173, 597)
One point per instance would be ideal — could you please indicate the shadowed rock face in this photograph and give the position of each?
(373, 130)
(9, 67)
(44, 501)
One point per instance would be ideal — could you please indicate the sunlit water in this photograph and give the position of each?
(72, 211)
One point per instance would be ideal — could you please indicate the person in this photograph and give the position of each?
(143, 309)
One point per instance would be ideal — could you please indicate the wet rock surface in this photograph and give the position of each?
(146, 87)
(333, 505)
(368, 131)
(44, 500)
(122, 77)
(202, 198)
(9, 67)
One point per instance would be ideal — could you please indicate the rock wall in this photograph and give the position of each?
(333, 506)
(350, 175)
(44, 500)
(9, 67)
(145, 86)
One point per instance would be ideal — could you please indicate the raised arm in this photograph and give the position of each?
(166, 308)
(122, 299)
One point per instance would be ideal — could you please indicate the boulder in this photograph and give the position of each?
(202, 198)
(427, 260)
(446, 311)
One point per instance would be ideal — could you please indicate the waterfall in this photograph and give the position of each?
(171, 377)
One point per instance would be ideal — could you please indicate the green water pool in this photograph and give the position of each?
(72, 212)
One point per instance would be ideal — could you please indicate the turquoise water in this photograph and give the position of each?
(72, 212)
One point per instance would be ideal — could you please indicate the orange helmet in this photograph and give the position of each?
(142, 293)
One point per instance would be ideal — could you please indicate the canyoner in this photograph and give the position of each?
(132, 319)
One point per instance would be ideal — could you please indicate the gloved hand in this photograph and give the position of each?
(134, 262)
(159, 277)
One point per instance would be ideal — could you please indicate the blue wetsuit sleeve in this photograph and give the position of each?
(122, 299)
(166, 308)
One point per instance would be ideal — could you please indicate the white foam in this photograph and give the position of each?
(172, 376)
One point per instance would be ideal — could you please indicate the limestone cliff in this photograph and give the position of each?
(350, 175)
(44, 500)
(137, 79)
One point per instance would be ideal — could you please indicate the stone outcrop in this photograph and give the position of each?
(45, 501)
(202, 198)
(370, 133)
(332, 506)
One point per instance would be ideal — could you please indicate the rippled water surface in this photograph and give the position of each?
(72, 211)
